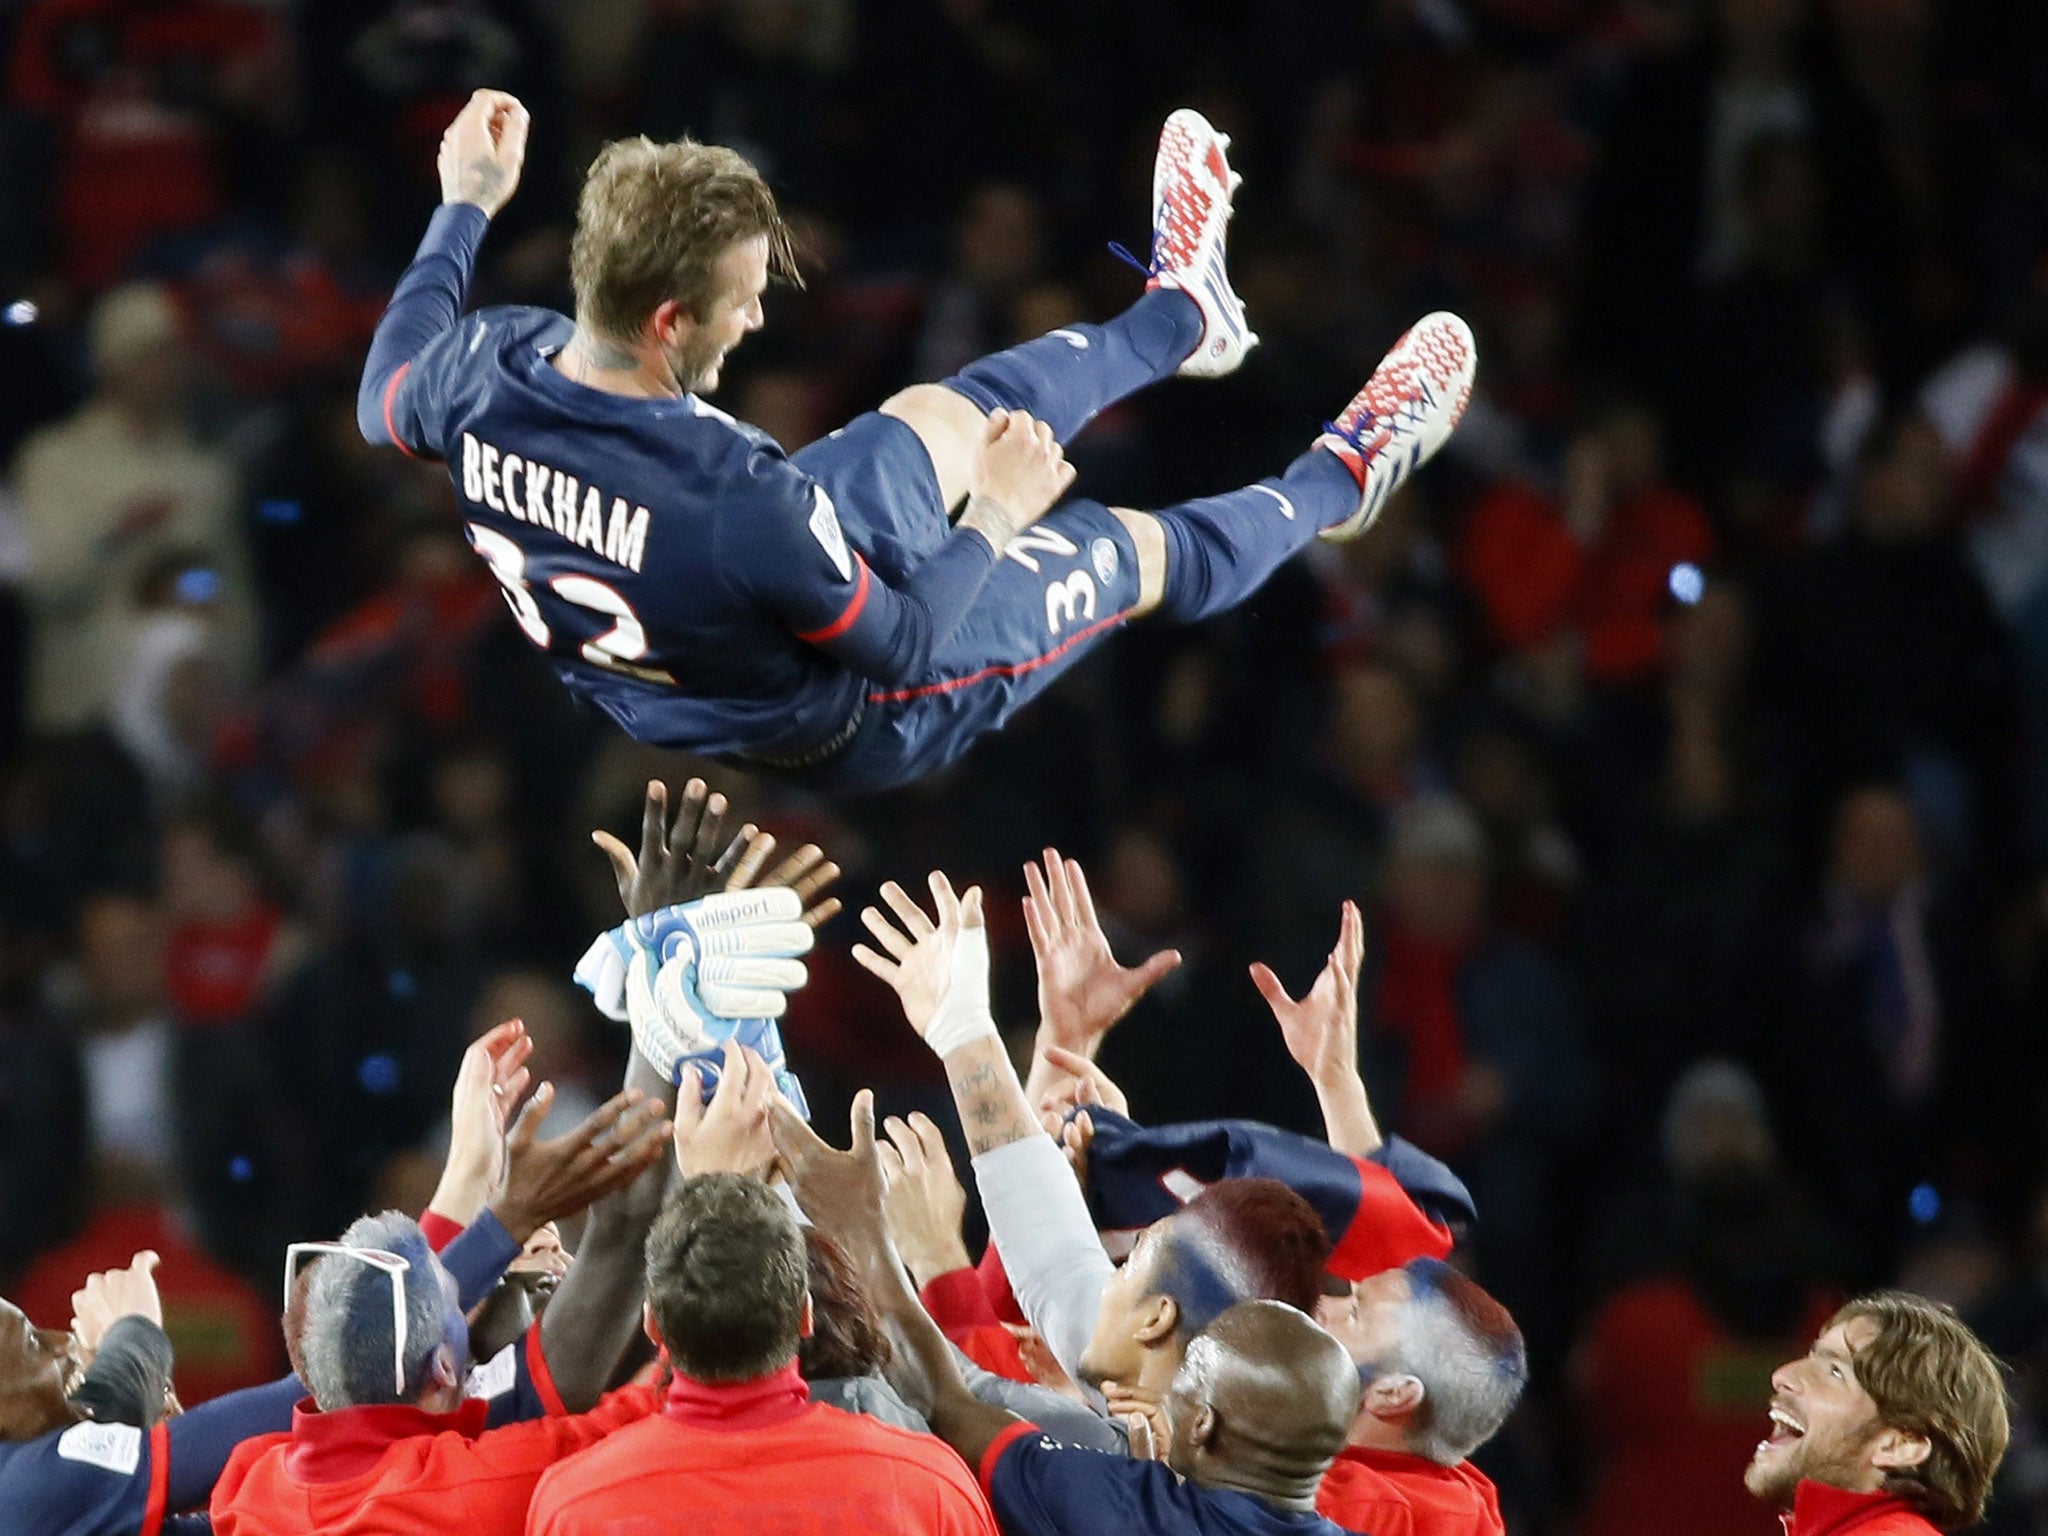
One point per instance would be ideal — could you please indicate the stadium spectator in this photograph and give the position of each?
(106, 493)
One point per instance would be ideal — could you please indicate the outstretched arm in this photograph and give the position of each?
(481, 155)
(843, 1193)
(1035, 1211)
(1083, 992)
(594, 1318)
(1321, 1031)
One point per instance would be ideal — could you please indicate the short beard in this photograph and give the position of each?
(1780, 1484)
(694, 364)
(1775, 1487)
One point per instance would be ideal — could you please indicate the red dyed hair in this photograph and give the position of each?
(1273, 1238)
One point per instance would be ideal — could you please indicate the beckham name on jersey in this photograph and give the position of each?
(545, 497)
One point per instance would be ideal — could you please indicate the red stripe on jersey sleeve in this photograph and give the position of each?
(159, 1480)
(439, 1230)
(1387, 1230)
(538, 1373)
(845, 621)
(1009, 1436)
(390, 394)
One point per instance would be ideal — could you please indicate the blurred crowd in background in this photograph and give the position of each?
(1685, 730)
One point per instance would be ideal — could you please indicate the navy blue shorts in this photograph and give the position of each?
(881, 481)
(1060, 586)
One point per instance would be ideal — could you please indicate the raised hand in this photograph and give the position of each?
(807, 872)
(677, 862)
(483, 150)
(1082, 991)
(112, 1294)
(730, 1133)
(1321, 1031)
(938, 969)
(925, 1202)
(843, 1192)
(1080, 1083)
(490, 1083)
(692, 858)
(551, 1180)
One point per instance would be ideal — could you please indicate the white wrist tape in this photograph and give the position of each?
(963, 1015)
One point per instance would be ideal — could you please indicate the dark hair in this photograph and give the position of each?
(726, 1279)
(652, 223)
(846, 1337)
(1929, 1375)
(1241, 1240)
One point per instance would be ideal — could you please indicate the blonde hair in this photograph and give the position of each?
(652, 223)
(1929, 1375)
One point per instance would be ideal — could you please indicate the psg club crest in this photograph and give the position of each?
(1102, 555)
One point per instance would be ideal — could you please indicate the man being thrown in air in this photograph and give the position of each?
(818, 611)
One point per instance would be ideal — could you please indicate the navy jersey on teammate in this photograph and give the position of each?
(119, 1480)
(679, 570)
(1039, 1487)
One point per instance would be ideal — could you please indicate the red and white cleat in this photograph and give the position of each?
(1406, 412)
(1192, 184)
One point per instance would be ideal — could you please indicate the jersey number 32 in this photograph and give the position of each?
(617, 648)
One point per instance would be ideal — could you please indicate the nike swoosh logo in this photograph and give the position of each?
(1286, 506)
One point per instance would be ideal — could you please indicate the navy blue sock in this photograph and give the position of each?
(1221, 549)
(1066, 376)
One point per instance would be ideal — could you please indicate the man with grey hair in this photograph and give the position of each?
(1442, 1365)
(390, 1441)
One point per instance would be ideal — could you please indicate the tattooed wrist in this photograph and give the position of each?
(482, 184)
(993, 1112)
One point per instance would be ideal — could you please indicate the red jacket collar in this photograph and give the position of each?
(1819, 1509)
(756, 1404)
(347, 1442)
(1399, 1462)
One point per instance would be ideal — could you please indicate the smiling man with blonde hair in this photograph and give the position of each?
(1893, 1424)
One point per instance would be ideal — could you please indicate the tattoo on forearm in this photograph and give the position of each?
(992, 1108)
(990, 516)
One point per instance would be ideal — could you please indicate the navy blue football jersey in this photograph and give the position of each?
(1039, 1487)
(651, 542)
(118, 1480)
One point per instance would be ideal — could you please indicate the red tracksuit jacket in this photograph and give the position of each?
(1819, 1510)
(760, 1457)
(1392, 1494)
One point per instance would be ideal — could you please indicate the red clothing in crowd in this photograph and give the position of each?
(1676, 1404)
(395, 1471)
(960, 1306)
(1535, 579)
(214, 969)
(1818, 1510)
(760, 1456)
(224, 1333)
(1392, 1494)
(133, 90)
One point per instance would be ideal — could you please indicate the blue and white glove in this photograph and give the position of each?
(690, 977)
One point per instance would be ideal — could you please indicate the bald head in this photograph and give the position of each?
(1263, 1403)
